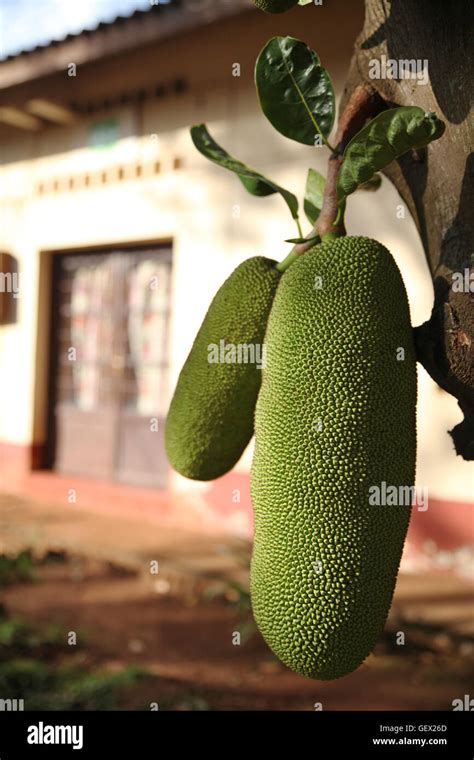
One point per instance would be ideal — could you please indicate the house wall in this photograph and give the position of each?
(212, 223)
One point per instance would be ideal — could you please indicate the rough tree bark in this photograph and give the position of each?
(436, 184)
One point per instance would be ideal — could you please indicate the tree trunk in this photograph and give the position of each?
(436, 183)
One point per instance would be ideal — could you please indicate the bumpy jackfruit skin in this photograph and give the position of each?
(210, 419)
(275, 6)
(335, 416)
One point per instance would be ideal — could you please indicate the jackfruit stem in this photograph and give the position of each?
(292, 256)
(298, 251)
(363, 103)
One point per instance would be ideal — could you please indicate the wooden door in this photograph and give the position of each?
(110, 318)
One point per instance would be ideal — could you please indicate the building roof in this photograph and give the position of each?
(111, 37)
(153, 9)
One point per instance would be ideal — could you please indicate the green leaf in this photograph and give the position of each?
(305, 2)
(254, 182)
(372, 184)
(313, 199)
(295, 91)
(299, 240)
(382, 140)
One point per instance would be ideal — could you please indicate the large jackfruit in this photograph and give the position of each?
(335, 417)
(275, 6)
(210, 420)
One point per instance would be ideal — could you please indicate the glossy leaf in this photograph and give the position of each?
(372, 184)
(382, 140)
(299, 240)
(295, 91)
(254, 182)
(313, 199)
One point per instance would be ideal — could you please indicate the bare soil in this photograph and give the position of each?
(179, 627)
(182, 638)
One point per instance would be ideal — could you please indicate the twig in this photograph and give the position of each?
(362, 105)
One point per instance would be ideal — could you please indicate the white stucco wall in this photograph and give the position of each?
(195, 208)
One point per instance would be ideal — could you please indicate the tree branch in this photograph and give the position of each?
(363, 104)
(436, 184)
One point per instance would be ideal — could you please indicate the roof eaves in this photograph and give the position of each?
(102, 25)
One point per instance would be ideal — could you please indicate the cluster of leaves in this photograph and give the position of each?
(29, 670)
(29, 654)
(17, 636)
(296, 95)
(16, 568)
(47, 687)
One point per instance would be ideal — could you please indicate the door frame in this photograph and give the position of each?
(44, 423)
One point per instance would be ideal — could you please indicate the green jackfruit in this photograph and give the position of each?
(275, 6)
(210, 420)
(335, 417)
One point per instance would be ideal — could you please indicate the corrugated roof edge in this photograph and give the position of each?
(99, 26)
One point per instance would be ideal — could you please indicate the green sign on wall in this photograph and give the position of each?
(104, 134)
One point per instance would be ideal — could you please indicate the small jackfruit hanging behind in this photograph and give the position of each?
(335, 417)
(210, 420)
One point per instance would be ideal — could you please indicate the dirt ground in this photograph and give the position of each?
(179, 624)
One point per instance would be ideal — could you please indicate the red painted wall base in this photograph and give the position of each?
(440, 537)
